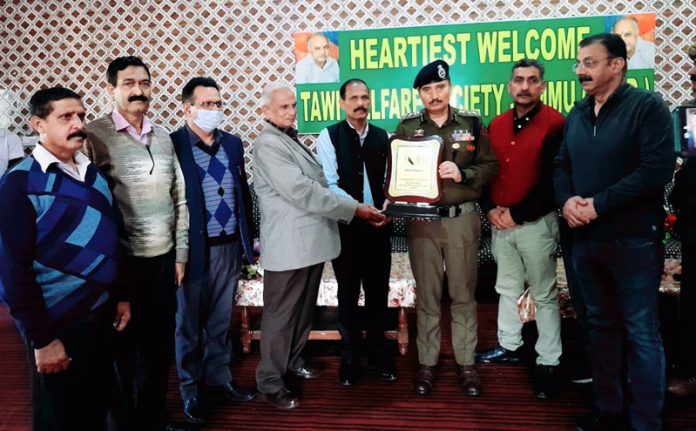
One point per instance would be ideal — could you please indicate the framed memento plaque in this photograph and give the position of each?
(413, 183)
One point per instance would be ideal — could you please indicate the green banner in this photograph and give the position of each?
(480, 58)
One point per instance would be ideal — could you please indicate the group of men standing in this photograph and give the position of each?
(152, 228)
(147, 227)
(606, 167)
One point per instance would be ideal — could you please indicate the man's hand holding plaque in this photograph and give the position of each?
(371, 214)
(414, 176)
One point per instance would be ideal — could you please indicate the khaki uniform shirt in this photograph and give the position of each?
(475, 158)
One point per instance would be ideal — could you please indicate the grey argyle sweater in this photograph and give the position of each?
(148, 186)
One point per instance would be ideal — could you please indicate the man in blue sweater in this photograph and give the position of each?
(610, 173)
(58, 266)
(219, 202)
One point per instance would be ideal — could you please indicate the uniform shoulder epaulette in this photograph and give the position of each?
(465, 113)
(411, 115)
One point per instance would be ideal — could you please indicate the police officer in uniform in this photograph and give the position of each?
(451, 241)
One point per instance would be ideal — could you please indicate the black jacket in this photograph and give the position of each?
(623, 158)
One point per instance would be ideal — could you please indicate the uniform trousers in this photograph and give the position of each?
(289, 301)
(450, 243)
(527, 253)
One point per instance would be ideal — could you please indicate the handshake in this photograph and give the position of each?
(372, 215)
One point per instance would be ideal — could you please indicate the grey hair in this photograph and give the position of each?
(272, 87)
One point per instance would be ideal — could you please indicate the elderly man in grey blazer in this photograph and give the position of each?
(298, 234)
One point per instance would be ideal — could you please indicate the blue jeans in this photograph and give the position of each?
(619, 281)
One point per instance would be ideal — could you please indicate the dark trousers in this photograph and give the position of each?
(365, 259)
(146, 346)
(203, 318)
(289, 300)
(77, 398)
(687, 300)
(619, 281)
(577, 301)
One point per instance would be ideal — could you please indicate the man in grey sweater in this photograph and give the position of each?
(145, 178)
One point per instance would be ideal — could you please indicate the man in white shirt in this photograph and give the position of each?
(641, 53)
(317, 66)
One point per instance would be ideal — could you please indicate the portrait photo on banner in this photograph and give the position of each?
(479, 55)
(638, 32)
(316, 54)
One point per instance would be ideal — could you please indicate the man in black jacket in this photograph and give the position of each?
(683, 199)
(353, 155)
(610, 173)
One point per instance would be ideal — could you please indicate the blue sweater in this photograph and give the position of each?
(58, 247)
(198, 259)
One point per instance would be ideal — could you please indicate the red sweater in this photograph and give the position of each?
(522, 159)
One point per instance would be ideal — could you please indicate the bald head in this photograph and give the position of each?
(318, 47)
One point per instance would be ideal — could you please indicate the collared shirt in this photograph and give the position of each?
(327, 157)
(122, 124)
(518, 123)
(196, 141)
(45, 159)
(308, 72)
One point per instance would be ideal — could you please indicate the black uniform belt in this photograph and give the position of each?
(456, 210)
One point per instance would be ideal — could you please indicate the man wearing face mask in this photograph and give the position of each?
(217, 195)
(139, 161)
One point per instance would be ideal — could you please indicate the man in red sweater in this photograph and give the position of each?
(521, 209)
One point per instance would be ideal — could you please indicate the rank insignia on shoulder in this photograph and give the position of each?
(464, 113)
(411, 115)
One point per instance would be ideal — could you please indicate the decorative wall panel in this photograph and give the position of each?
(244, 44)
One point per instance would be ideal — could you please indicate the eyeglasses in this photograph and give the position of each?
(588, 63)
(210, 105)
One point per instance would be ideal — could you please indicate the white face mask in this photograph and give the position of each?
(208, 120)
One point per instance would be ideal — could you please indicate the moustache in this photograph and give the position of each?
(524, 93)
(139, 97)
(584, 78)
(360, 110)
(434, 101)
(78, 134)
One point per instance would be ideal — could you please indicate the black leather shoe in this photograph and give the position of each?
(384, 370)
(545, 381)
(283, 399)
(469, 380)
(237, 394)
(348, 373)
(424, 380)
(385, 375)
(193, 412)
(307, 372)
(498, 355)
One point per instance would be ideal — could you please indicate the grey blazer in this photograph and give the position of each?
(298, 211)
